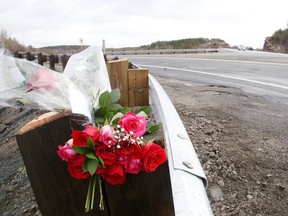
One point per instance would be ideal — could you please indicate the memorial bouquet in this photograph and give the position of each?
(111, 144)
(111, 148)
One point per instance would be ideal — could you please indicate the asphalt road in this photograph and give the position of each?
(259, 73)
(234, 107)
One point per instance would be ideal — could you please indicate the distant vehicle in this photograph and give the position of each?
(242, 47)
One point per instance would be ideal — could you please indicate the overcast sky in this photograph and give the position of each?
(133, 23)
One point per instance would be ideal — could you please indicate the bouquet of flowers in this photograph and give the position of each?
(112, 143)
(111, 148)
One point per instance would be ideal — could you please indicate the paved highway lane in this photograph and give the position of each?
(255, 72)
(248, 131)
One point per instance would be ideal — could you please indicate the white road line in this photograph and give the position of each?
(218, 75)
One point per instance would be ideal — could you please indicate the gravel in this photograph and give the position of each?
(241, 142)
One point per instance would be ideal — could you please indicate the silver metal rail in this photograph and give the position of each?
(188, 180)
(163, 51)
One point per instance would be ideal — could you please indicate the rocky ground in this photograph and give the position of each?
(271, 45)
(241, 141)
(16, 196)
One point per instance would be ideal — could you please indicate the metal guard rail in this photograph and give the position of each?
(162, 51)
(188, 180)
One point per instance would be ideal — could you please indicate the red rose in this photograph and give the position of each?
(92, 132)
(122, 159)
(133, 166)
(153, 156)
(108, 154)
(75, 167)
(114, 174)
(133, 150)
(79, 138)
(100, 169)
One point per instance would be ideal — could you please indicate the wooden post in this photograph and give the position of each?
(28, 56)
(56, 59)
(52, 61)
(138, 87)
(119, 78)
(16, 54)
(40, 58)
(44, 58)
(142, 194)
(56, 192)
(64, 60)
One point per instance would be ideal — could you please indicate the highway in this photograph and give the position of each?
(234, 106)
(255, 72)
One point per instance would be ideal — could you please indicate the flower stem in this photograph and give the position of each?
(88, 198)
(101, 203)
(91, 194)
(93, 191)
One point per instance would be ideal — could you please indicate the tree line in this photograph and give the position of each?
(281, 37)
(189, 43)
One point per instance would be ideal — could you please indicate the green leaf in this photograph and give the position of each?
(92, 155)
(99, 120)
(153, 128)
(92, 165)
(80, 150)
(100, 111)
(101, 162)
(84, 165)
(109, 116)
(99, 115)
(143, 114)
(125, 110)
(90, 144)
(115, 95)
(116, 118)
(105, 99)
(115, 121)
(146, 109)
(116, 106)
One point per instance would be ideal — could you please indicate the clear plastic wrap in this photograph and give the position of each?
(77, 88)
(88, 71)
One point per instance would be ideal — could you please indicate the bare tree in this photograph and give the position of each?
(11, 43)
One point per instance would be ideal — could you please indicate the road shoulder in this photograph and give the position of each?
(241, 142)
